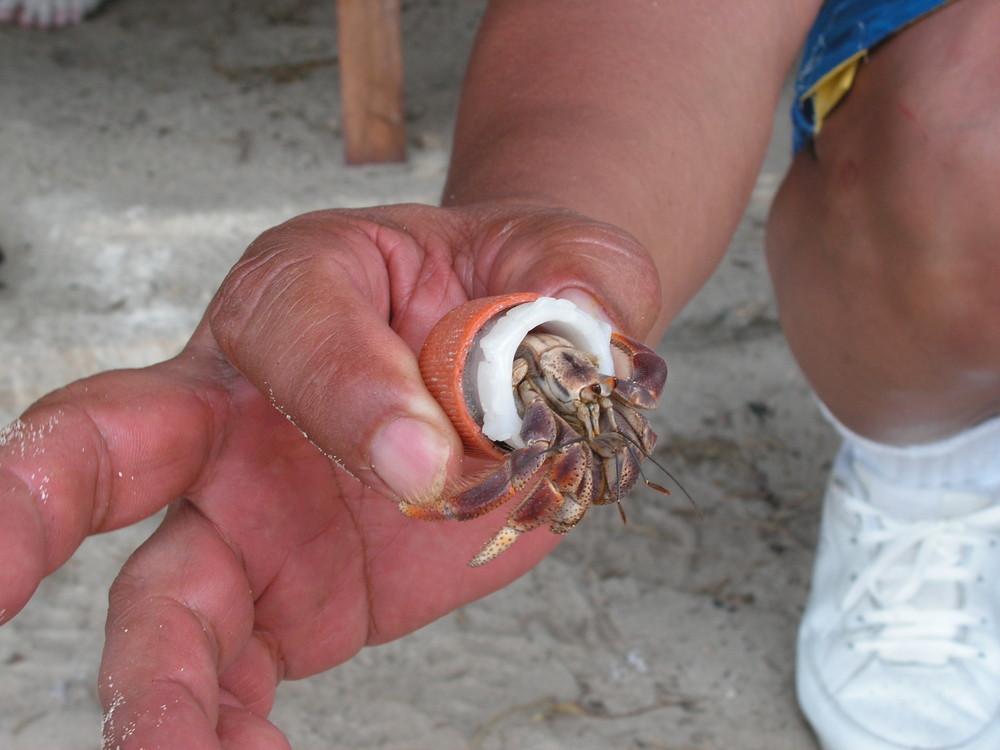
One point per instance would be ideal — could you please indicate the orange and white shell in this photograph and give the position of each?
(468, 358)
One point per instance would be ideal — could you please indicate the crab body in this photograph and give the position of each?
(583, 437)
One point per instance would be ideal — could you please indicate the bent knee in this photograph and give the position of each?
(928, 258)
(899, 196)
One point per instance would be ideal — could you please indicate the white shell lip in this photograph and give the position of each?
(492, 359)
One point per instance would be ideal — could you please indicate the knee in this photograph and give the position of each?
(922, 257)
(925, 197)
(898, 201)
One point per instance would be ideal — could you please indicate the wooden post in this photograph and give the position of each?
(371, 80)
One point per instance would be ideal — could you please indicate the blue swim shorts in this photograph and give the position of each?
(842, 35)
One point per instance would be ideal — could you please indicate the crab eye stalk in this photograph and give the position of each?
(602, 389)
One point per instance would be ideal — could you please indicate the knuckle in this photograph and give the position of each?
(255, 284)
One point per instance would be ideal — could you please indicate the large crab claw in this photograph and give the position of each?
(647, 372)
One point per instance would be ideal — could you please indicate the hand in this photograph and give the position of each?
(282, 437)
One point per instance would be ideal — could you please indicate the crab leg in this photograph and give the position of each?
(511, 478)
(538, 506)
(545, 503)
(514, 476)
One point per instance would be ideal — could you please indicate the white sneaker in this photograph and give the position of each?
(899, 646)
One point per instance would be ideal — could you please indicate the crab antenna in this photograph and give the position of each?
(661, 467)
(618, 488)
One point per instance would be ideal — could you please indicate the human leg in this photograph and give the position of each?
(883, 240)
(884, 246)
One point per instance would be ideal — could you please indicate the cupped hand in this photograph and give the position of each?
(282, 438)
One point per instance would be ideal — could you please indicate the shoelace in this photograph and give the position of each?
(912, 555)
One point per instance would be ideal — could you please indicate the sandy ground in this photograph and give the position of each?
(141, 152)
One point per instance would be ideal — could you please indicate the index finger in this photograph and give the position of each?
(94, 456)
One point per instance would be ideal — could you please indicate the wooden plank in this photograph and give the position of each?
(371, 80)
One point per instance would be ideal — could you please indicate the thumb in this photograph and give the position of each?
(304, 318)
(601, 268)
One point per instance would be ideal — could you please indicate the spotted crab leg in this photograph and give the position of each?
(552, 501)
(516, 475)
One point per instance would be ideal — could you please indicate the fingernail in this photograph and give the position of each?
(411, 457)
(587, 303)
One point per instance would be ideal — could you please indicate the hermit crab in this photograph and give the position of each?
(551, 393)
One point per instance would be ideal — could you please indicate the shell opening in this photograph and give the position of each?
(492, 359)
